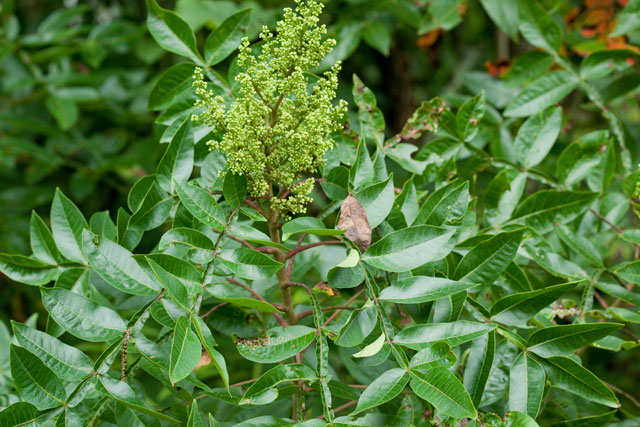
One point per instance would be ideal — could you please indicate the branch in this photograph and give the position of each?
(349, 301)
(257, 295)
(309, 246)
(606, 221)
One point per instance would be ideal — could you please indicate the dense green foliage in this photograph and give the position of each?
(229, 245)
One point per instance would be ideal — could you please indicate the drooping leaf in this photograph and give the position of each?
(124, 394)
(627, 19)
(580, 244)
(358, 326)
(234, 188)
(504, 15)
(436, 354)
(201, 205)
(469, 116)
(174, 287)
(240, 297)
(448, 203)
(261, 391)
(42, 244)
(502, 196)
(19, 413)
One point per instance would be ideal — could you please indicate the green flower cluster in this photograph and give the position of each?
(278, 129)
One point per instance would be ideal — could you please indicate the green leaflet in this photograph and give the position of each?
(444, 391)
(526, 385)
(384, 388)
(516, 309)
(36, 383)
(226, 38)
(421, 289)
(479, 365)
(261, 392)
(358, 326)
(565, 373)
(408, 248)
(307, 225)
(200, 204)
(234, 189)
(485, 262)
(543, 92)
(454, 333)
(42, 244)
(177, 163)
(276, 344)
(542, 210)
(66, 362)
(565, 339)
(116, 265)
(82, 317)
(377, 200)
(249, 264)
(67, 223)
(171, 32)
(27, 270)
(124, 394)
(185, 350)
(240, 297)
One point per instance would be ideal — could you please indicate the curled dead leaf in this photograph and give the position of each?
(205, 359)
(354, 220)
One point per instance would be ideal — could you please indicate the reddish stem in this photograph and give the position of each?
(309, 246)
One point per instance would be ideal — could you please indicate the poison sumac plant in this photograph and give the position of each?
(455, 282)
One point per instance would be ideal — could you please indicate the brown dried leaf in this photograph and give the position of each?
(354, 220)
(205, 359)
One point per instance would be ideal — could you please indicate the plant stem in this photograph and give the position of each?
(285, 291)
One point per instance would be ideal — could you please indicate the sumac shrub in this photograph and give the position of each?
(310, 267)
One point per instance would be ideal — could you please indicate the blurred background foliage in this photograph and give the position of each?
(75, 77)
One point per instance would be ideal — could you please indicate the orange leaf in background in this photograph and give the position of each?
(428, 39)
(497, 68)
